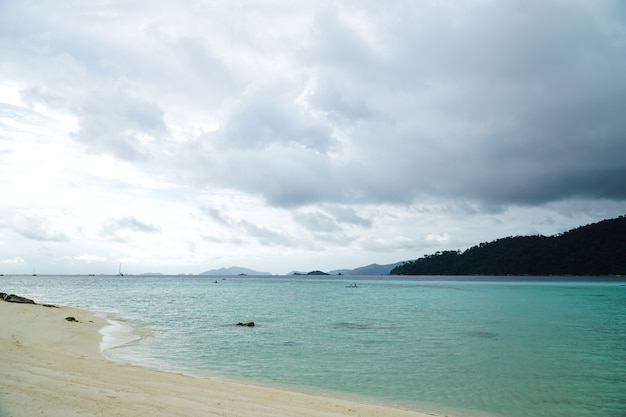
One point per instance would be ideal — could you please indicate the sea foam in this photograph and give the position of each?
(115, 334)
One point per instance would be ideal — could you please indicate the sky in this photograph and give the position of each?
(179, 137)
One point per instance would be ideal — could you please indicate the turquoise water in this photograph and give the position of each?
(501, 347)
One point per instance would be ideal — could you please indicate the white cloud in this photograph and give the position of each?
(89, 258)
(438, 238)
(15, 260)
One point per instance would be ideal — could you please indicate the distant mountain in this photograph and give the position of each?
(373, 269)
(234, 270)
(595, 249)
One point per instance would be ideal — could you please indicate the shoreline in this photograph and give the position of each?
(115, 334)
(57, 369)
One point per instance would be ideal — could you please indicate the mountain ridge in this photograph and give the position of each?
(372, 269)
(233, 270)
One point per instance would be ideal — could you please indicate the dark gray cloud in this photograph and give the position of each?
(317, 222)
(502, 103)
(516, 103)
(348, 215)
(355, 120)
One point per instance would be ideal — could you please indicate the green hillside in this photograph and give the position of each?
(595, 249)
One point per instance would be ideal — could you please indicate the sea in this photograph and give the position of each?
(463, 346)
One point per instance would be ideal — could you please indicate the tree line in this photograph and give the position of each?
(595, 249)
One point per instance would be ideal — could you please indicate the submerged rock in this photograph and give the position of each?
(481, 334)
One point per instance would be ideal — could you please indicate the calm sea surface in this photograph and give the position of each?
(503, 347)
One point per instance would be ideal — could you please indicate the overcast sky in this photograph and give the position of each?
(182, 136)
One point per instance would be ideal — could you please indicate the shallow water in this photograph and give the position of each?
(506, 347)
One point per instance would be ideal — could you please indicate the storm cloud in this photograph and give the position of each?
(371, 125)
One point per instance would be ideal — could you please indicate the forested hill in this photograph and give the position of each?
(595, 249)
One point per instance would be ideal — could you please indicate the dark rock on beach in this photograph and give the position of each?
(12, 298)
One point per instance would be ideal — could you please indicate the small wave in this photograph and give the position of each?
(115, 334)
(361, 326)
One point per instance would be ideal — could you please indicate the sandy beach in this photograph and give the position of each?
(53, 367)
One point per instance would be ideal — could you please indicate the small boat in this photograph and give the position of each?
(119, 271)
(352, 285)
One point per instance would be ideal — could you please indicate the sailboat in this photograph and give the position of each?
(119, 272)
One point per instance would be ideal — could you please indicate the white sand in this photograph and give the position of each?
(52, 367)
